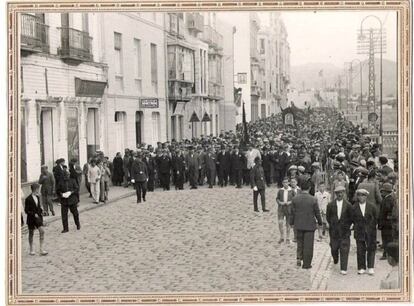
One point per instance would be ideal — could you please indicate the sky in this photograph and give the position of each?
(330, 37)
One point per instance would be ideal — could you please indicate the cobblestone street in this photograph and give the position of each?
(192, 240)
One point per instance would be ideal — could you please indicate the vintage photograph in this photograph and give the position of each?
(209, 151)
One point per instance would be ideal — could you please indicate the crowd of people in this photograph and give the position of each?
(329, 176)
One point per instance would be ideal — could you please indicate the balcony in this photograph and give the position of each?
(255, 89)
(215, 91)
(180, 91)
(34, 34)
(254, 54)
(195, 22)
(213, 38)
(76, 45)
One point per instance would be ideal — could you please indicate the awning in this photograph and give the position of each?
(194, 117)
(179, 109)
(206, 118)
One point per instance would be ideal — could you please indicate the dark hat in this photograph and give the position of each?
(383, 159)
(387, 187)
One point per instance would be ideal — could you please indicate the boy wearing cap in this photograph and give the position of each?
(364, 217)
(339, 218)
(385, 216)
(284, 201)
(323, 198)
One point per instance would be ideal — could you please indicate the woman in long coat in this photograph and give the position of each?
(118, 173)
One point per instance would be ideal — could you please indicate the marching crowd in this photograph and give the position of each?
(329, 176)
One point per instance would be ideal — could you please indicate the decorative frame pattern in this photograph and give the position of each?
(405, 171)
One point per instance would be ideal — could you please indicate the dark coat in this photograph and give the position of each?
(365, 228)
(118, 173)
(279, 195)
(223, 160)
(267, 161)
(385, 219)
(305, 209)
(192, 162)
(48, 183)
(30, 208)
(68, 185)
(210, 161)
(257, 177)
(139, 171)
(164, 164)
(237, 161)
(178, 164)
(58, 173)
(151, 166)
(339, 228)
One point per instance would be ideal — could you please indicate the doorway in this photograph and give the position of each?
(46, 137)
(139, 117)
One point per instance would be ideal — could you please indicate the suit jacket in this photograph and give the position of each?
(58, 173)
(223, 160)
(267, 161)
(304, 211)
(192, 162)
(237, 161)
(150, 163)
(365, 227)
(202, 160)
(210, 161)
(164, 164)
(178, 164)
(30, 208)
(139, 171)
(257, 177)
(339, 228)
(280, 195)
(48, 184)
(385, 219)
(68, 185)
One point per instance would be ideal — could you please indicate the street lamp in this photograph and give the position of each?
(360, 84)
(362, 35)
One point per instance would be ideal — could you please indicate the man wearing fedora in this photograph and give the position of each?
(385, 219)
(257, 181)
(364, 217)
(139, 177)
(339, 218)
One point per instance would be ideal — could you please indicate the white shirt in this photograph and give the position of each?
(362, 207)
(285, 195)
(339, 205)
(323, 199)
(35, 199)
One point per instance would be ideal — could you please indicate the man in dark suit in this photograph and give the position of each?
(385, 219)
(237, 162)
(364, 216)
(178, 165)
(192, 163)
(257, 181)
(201, 166)
(47, 181)
(339, 218)
(267, 164)
(151, 167)
(139, 177)
(34, 218)
(164, 169)
(223, 162)
(210, 162)
(58, 171)
(304, 211)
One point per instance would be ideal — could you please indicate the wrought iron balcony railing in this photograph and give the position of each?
(195, 22)
(34, 34)
(180, 91)
(215, 90)
(76, 45)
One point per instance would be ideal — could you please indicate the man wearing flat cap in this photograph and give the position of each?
(139, 177)
(364, 217)
(339, 218)
(385, 219)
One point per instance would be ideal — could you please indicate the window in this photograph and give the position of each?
(72, 126)
(118, 61)
(156, 129)
(154, 68)
(242, 78)
(92, 131)
(137, 66)
(262, 46)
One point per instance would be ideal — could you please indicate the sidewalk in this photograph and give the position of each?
(115, 193)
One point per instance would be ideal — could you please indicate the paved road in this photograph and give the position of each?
(192, 240)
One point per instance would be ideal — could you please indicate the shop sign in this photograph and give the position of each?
(149, 103)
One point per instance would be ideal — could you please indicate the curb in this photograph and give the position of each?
(25, 230)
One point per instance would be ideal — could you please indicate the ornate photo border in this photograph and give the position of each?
(405, 157)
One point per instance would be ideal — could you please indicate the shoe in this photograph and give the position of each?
(210, 186)
(138, 202)
(32, 253)
(384, 257)
(343, 272)
(265, 210)
(371, 271)
(53, 213)
(78, 227)
(64, 231)
(256, 210)
(43, 253)
(299, 262)
(281, 241)
(335, 261)
(144, 199)
(90, 196)
(308, 267)
(361, 271)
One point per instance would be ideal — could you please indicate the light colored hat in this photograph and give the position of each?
(362, 191)
(301, 168)
(339, 188)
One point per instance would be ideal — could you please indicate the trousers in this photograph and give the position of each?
(64, 211)
(47, 203)
(141, 189)
(304, 250)
(262, 198)
(365, 254)
(340, 250)
(95, 191)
